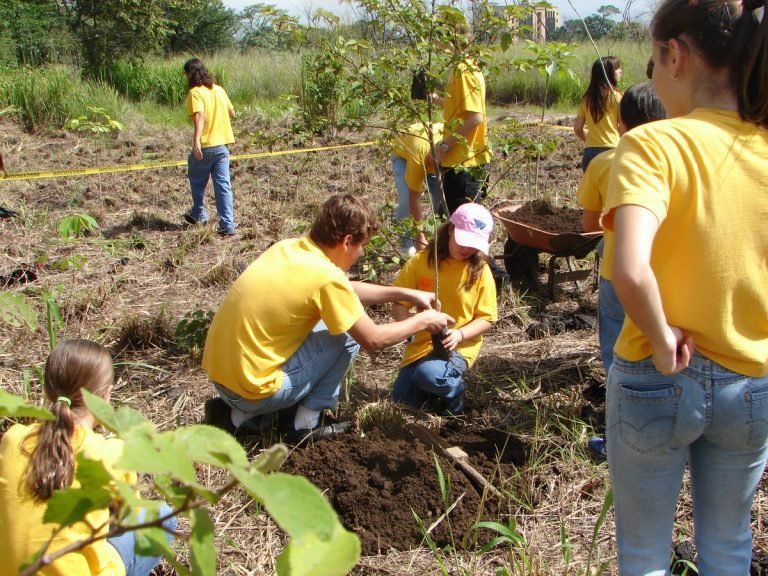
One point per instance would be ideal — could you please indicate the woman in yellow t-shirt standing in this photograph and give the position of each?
(687, 203)
(599, 109)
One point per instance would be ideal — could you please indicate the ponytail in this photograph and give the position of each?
(752, 64)
(72, 366)
(52, 464)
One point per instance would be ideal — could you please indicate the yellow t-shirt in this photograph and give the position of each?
(215, 104)
(271, 310)
(21, 517)
(465, 92)
(703, 176)
(413, 147)
(591, 195)
(463, 305)
(605, 133)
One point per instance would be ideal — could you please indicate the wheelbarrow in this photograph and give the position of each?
(525, 242)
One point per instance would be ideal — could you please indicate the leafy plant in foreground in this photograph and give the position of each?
(77, 225)
(319, 545)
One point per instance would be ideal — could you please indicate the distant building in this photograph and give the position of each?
(542, 22)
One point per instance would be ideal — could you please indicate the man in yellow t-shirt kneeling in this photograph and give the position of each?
(291, 324)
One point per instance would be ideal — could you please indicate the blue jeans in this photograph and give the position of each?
(404, 197)
(430, 376)
(215, 166)
(312, 376)
(589, 153)
(707, 416)
(125, 545)
(610, 319)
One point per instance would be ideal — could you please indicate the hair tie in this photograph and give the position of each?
(65, 400)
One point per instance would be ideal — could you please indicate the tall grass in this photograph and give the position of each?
(512, 87)
(48, 97)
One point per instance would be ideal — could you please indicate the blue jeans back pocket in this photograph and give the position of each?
(648, 413)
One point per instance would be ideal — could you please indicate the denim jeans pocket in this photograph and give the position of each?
(648, 413)
(757, 406)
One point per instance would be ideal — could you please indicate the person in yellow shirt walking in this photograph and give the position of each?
(210, 109)
(599, 109)
(38, 459)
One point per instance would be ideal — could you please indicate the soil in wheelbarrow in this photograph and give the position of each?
(542, 215)
(381, 481)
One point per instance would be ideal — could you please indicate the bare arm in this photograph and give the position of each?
(374, 294)
(590, 221)
(578, 128)
(635, 228)
(470, 121)
(198, 118)
(372, 336)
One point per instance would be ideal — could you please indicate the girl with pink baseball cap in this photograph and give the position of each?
(432, 371)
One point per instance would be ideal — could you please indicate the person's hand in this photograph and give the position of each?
(434, 321)
(452, 339)
(424, 300)
(675, 354)
(197, 151)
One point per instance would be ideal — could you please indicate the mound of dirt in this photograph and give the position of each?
(379, 482)
(542, 215)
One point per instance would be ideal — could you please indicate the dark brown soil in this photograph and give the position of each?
(542, 215)
(381, 481)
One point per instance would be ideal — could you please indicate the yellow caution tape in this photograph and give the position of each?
(539, 124)
(166, 164)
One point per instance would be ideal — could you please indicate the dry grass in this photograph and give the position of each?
(145, 271)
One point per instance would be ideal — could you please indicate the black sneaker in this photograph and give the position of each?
(191, 220)
(218, 414)
(319, 432)
(223, 232)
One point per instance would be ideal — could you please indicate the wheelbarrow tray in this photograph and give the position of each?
(560, 244)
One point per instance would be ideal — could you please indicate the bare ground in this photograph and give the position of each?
(534, 396)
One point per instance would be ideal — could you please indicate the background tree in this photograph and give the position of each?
(201, 25)
(34, 32)
(266, 26)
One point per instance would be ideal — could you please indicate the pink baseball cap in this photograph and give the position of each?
(473, 225)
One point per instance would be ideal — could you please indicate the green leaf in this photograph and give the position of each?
(71, 505)
(310, 556)
(120, 421)
(16, 311)
(211, 445)
(152, 452)
(12, 406)
(201, 543)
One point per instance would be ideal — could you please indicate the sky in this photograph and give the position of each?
(584, 7)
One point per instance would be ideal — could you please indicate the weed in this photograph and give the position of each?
(138, 332)
(192, 330)
(53, 320)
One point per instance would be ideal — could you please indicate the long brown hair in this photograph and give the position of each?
(727, 34)
(71, 366)
(602, 82)
(197, 73)
(441, 246)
